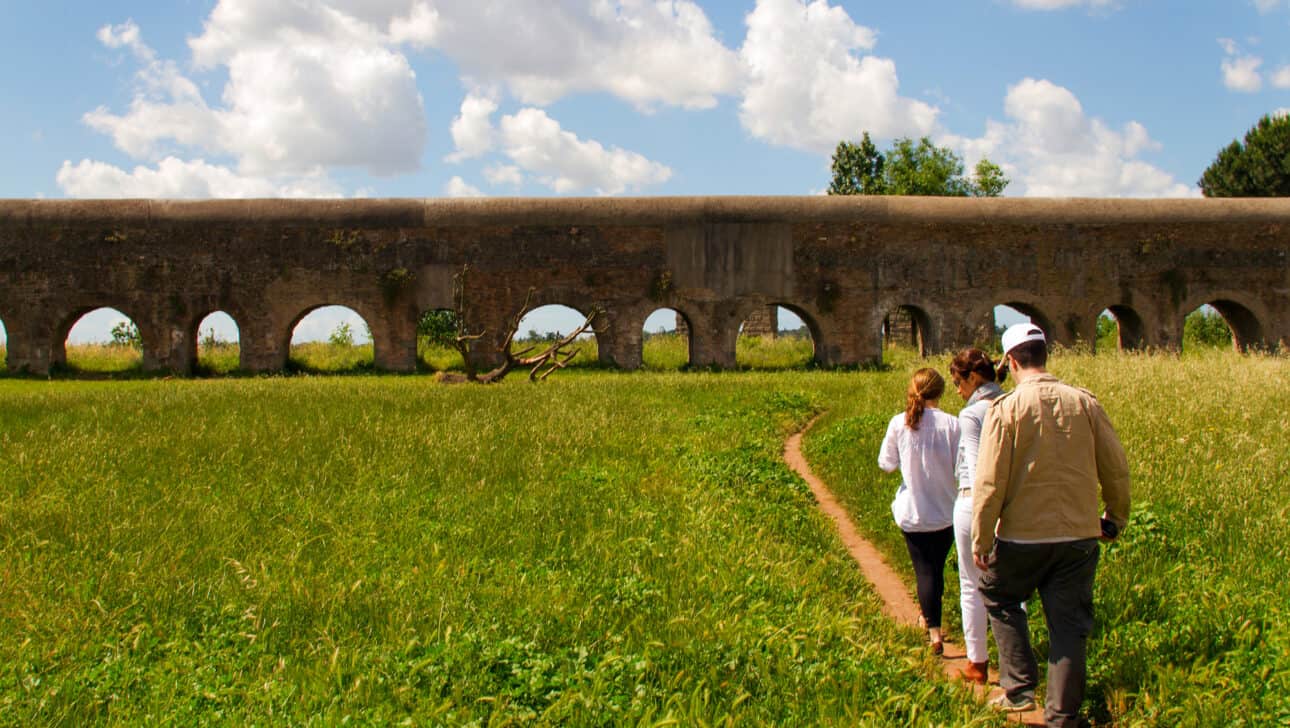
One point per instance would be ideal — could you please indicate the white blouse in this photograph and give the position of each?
(926, 460)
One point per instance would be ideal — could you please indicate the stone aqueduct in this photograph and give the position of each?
(839, 263)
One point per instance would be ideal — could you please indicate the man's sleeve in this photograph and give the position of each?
(1112, 467)
(993, 467)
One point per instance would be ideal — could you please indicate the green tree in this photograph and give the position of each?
(857, 169)
(342, 335)
(1258, 168)
(910, 168)
(1206, 328)
(439, 326)
(125, 333)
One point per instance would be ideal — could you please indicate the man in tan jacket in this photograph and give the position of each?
(1045, 450)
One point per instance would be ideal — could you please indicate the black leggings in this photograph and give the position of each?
(928, 550)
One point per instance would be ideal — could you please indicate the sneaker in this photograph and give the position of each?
(1004, 704)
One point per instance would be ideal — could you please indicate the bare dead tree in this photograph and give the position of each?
(540, 365)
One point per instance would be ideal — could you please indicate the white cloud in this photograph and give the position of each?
(1050, 148)
(808, 85)
(458, 187)
(1281, 77)
(504, 174)
(1063, 4)
(176, 178)
(648, 52)
(472, 130)
(565, 163)
(310, 84)
(1242, 74)
(1267, 6)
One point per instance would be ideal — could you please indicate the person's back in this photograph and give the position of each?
(1050, 433)
(1047, 449)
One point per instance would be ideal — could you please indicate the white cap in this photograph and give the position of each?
(1018, 334)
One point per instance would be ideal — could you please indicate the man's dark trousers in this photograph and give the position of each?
(1063, 574)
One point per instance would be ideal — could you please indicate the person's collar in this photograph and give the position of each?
(987, 390)
(1044, 376)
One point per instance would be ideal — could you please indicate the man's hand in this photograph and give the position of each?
(980, 562)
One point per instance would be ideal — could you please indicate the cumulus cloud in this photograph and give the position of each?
(504, 174)
(310, 84)
(565, 163)
(811, 83)
(1267, 6)
(458, 187)
(1240, 72)
(1050, 147)
(1281, 77)
(176, 178)
(472, 130)
(648, 52)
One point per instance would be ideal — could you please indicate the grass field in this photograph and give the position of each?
(604, 548)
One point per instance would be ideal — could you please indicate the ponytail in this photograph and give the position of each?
(926, 386)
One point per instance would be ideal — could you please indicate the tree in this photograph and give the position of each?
(439, 326)
(857, 169)
(125, 333)
(910, 168)
(1258, 168)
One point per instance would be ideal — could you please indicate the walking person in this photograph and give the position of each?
(977, 381)
(921, 443)
(1046, 447)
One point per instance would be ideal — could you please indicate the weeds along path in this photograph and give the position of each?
(896, 600)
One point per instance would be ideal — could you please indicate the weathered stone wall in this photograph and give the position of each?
(841, 264)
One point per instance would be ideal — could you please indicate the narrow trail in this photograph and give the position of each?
(896, 600)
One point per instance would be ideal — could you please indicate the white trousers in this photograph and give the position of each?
(975, 618)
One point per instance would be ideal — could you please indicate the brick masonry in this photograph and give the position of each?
(841, 264)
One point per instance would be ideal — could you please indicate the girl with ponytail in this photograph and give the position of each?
(922, 443)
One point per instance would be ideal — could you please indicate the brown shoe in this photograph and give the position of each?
(976, 672)
(938, 647)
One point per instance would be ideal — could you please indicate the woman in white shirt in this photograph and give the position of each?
(977, 381)
(922, 442)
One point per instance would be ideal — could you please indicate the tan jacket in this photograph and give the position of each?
(1045, 447)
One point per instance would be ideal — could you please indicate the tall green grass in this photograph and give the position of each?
(1192, 601)
(604, 548)
(599, 549)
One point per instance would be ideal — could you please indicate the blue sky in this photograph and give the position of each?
(428, 98)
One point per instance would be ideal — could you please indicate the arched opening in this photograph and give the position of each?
(775, 337)
(4, 347)
(329, 339)
(906, 327)
(217, 344)
(436, 332)
(1016, 312)
(1222, 323)
(665, 341)
(103, 341)
(1119, 328)
(546, 325)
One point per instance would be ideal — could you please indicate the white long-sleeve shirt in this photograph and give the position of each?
(926, 460)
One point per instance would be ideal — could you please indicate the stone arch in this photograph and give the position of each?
(361, 311)
(599, 332)
(194, 333)
(148, 342)
(684, 329)
(601, 325)
(746, 309)
(921, 333)
(1131, 329)
(4, 345)
(1020, 302)
(1244, 317)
